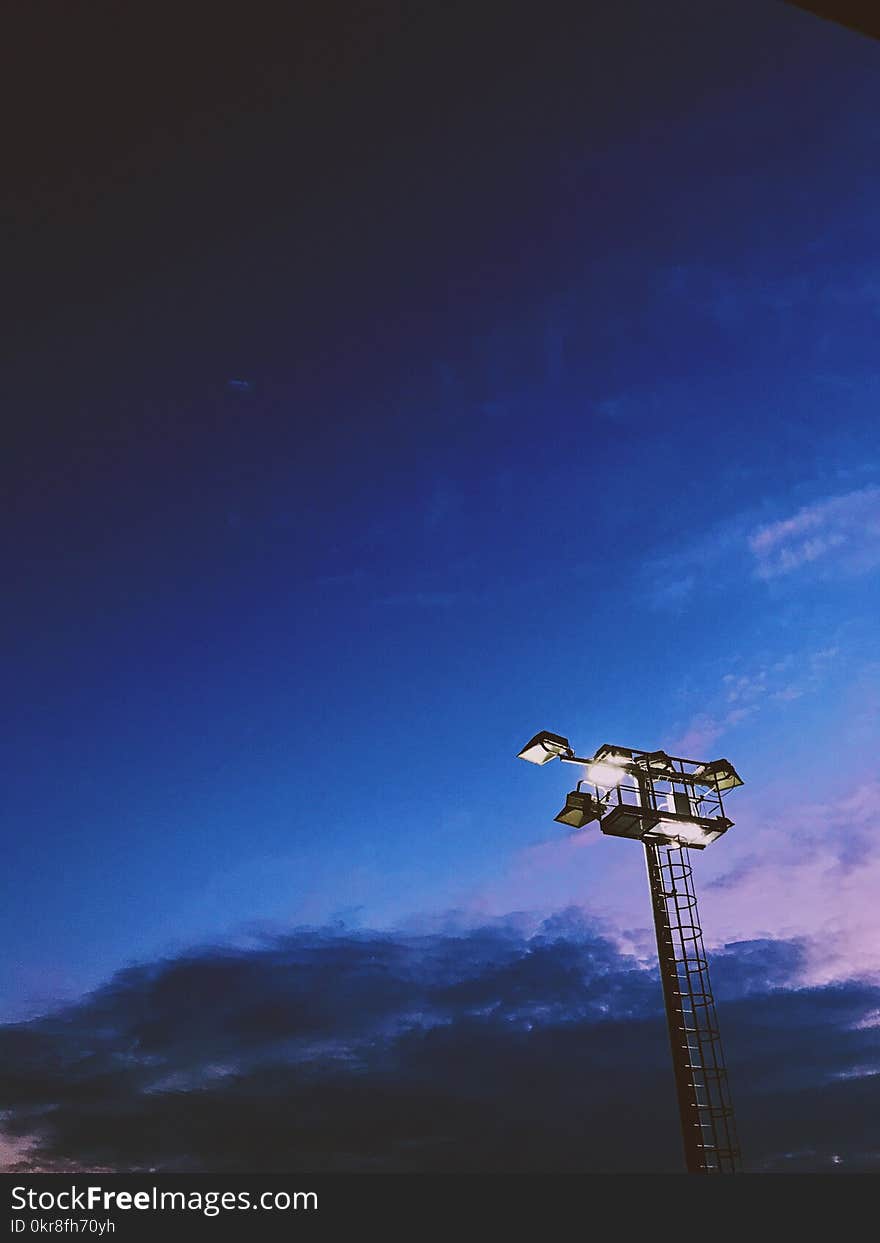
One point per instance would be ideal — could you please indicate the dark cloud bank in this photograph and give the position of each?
(485, 1050)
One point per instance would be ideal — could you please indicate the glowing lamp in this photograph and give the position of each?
(698, 832)
(669, 828)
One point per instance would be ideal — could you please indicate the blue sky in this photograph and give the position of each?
(559, 411)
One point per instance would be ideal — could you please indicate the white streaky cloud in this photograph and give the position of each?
(868, 1021)
(831, 536)
(839, 534)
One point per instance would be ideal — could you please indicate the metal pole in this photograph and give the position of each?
(704, 1105)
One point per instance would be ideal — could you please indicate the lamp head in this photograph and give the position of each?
(580, 808)
(607, 754)
(659, 764)
(545, 747)
(719, 774)
(663, 826)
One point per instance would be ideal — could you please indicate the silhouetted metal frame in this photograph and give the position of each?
(705, 1108)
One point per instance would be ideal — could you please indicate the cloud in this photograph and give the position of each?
(840, 534)
(816, 878)
(704, 731)
(486, 1049)
(702, 566)
(746, 693)
(834, 536)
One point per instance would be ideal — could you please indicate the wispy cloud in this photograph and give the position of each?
(706, 729)
(706, 564)
(741, 695)
(828, 537)
(839, 534)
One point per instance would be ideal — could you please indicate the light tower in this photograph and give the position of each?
(671, 805)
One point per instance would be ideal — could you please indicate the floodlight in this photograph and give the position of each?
(606, 776)
(660, 764)
(719, 774)
(544, 747)
(613, 755)
(580, 808)
(625, 820)
(665, 827)
(698, 832)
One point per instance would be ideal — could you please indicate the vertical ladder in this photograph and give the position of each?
(707, 1122)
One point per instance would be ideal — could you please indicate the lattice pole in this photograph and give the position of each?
(707, 1121)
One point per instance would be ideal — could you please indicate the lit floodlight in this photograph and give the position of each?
(664, 827)
(544, 747)
(606, 776)
(698, 832)
(580, 808)
(719, 774)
